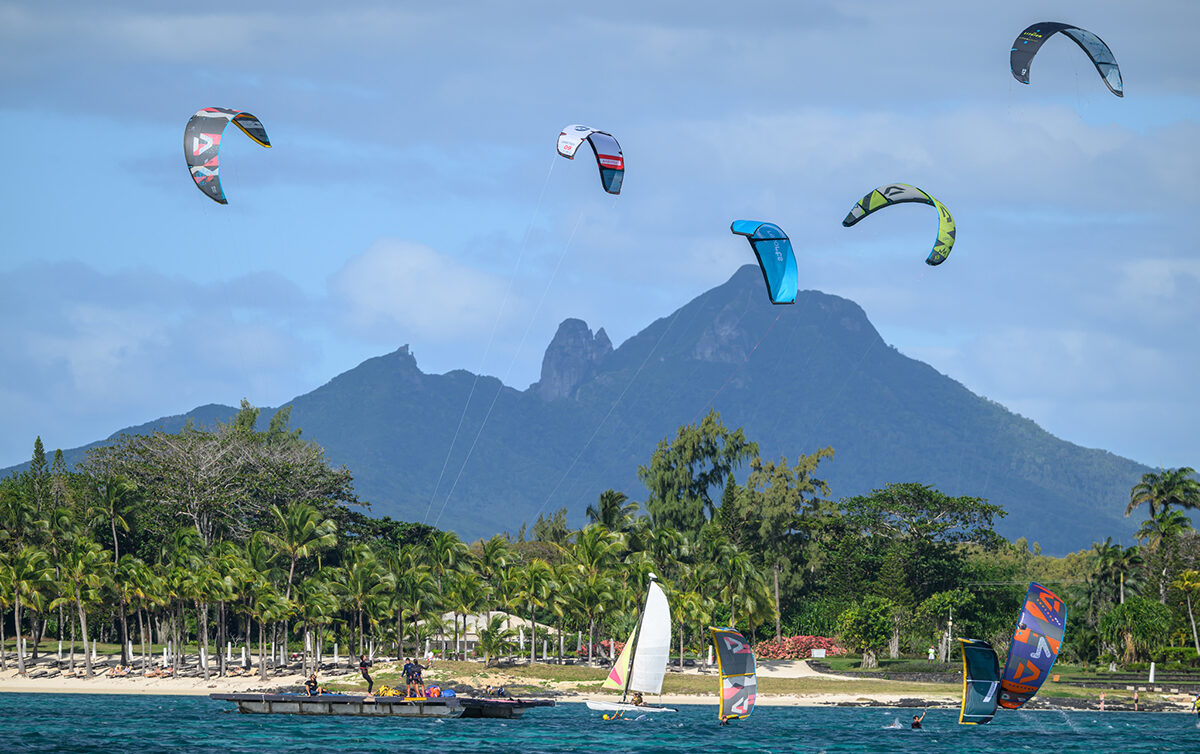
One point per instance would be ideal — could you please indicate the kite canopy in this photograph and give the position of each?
(1034, 648)
(735, 663)
(775, 256)
(1031, 40)
(607, 151)
(981, 681)
(202, 145)
(899, 193)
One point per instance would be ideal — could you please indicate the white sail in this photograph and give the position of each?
(653, 644)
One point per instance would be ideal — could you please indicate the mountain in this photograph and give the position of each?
(797, 378)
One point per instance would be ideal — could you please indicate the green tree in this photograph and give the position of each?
(929, 525)
(1160, 490)
(302, 532)
(1188, 583)
(364, 583)
(1117, 569)
(1162, 533)
(84, 567)
(613, 510)
(682, 473)
(466, 595)
(767, 516)
(28, 577)
(936, 612)
(1139, 626)
(495, 640)
(536, 582)
(867, 627)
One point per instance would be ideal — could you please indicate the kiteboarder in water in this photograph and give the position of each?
(916, 723)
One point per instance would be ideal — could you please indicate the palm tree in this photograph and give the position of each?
(595, 553)
(114, 496)
(612, 511)
(303, 532)
(495, 556)
(316, 605)
(537, 581)
(1116, 566)
(466, 594)
(689, 608)
(1162, 531)
(6, 589)
(1188, 582)
(446, 553)
(144, 592)
(267, 605)
(1162, 527)
(364, 582)
(28, 576)
(495, 640)
(562, 599)
(1160, 491)
(84, 566)
(125, 585)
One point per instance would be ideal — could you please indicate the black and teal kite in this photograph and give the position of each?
(1032, 39)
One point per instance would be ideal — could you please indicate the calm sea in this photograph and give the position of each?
(128, 724)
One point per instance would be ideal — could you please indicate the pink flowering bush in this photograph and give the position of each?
(600, 648)
(797, 648)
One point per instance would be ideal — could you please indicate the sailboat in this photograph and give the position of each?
(738, 672)
(643, 661)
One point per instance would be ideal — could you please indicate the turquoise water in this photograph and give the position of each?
(129, 724)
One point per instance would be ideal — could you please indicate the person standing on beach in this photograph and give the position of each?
(1196, 705)
(1101, 701)
(364, 665)
(1135, 700)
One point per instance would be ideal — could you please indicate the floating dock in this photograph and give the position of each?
(380, 706)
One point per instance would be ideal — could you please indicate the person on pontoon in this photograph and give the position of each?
(313, 688)
(637, 700)
(417, 681)
(364, 665)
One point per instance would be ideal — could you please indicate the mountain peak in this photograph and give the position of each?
(571, 359)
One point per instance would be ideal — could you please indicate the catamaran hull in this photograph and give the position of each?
(625, 707)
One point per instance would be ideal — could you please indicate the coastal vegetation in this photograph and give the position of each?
(235, 535)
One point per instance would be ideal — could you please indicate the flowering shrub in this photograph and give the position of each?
(797, 648)
(600, 648)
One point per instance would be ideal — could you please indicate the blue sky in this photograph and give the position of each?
(413, 195)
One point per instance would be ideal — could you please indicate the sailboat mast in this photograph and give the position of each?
(636, 635)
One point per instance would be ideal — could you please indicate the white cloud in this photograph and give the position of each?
(398, 288)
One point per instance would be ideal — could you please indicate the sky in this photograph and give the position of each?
(412, 195)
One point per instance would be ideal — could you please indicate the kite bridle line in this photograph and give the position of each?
(495, 326)
(516, 354)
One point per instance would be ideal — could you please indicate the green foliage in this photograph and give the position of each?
(1138, 627)
(681, 474)
(1160, 490)
(552, 528)
(867, 627)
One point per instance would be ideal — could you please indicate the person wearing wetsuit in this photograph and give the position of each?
(364, 665)
(313, 688)
(417, 667)
(916, 723)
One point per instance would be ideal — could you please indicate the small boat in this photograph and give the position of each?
(643, 662)
(344, 704)
(381, 706)
(738, 673)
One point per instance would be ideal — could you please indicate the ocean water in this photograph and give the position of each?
(129, 724)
